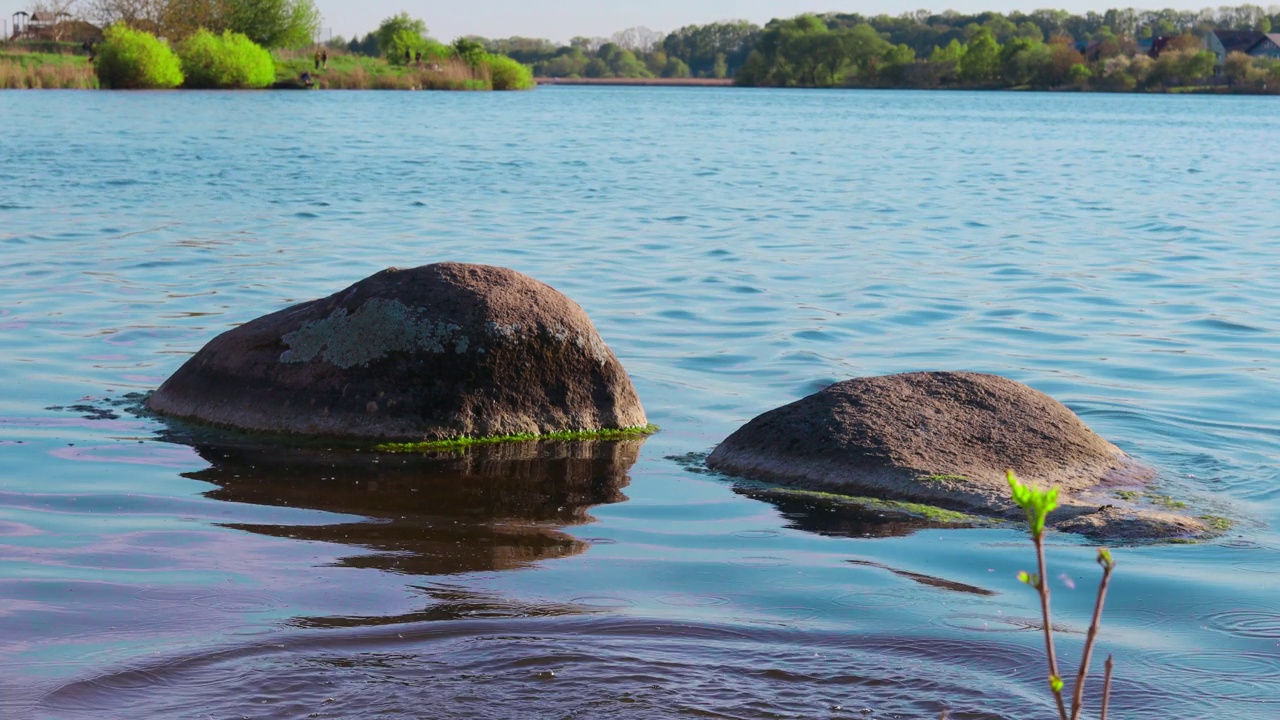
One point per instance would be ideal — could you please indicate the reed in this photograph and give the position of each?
(353, 72)
(33, 71)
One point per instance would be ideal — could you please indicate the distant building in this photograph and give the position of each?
(1250, 42)
(1158, 44)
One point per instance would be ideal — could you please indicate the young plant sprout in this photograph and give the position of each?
(1038, 504)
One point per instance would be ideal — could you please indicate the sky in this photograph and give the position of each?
(562, 19)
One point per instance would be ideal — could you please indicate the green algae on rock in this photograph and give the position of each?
(565, 436)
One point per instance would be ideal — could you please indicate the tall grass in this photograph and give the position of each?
(353, 72)
(34, 71)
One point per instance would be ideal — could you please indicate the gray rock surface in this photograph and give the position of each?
(430, 353)
(945, 439)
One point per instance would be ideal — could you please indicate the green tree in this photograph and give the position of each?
(229, 60)
(507, 74)
(1264, 24)
(864, 47)
(1021, 60)
(676, 68)
(981, 61)
(135, 60)
(1079, 74)
(399, 33)
(953, 52)
(273, 23)
(469, 51)
(721, 67)
(1196, 66)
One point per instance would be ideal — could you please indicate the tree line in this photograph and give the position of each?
(269, 23)
(1044, 48)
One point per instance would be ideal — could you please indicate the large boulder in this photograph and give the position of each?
(431, 353)
(943, 439)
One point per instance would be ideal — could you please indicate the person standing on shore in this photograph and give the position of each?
(317, 59)
(324, 59)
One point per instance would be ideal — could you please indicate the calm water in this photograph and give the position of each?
(738, 249)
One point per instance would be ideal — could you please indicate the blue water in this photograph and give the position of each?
(738, 249)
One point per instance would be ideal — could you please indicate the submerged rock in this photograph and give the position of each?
(431, 353)
(945, 439)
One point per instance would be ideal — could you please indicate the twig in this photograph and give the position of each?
(1106, 687)
(1077, 699)
(1043, 587)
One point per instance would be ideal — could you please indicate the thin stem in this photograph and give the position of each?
(1106, 687)
(1048, 623)
(1077, 699)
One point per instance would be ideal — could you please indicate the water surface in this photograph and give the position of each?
(738, 249)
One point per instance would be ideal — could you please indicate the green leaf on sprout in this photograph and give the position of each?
(1056, 683)
(1105, 559)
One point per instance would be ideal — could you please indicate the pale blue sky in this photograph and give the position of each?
(562, 19)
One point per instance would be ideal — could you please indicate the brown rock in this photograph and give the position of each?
(430, 353)
(941, 438)
(1110, 522)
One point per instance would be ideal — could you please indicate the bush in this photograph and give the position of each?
(135, 60)
(507, 74)
(230, 60)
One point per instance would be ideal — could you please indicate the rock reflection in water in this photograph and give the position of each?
(836, 517)
(492, 507)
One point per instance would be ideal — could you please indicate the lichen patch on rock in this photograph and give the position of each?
(377, 328)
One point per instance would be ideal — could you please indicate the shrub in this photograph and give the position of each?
(230, 60)
(507, 74)
(135, 60)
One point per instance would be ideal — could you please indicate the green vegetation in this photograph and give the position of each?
(229, 60)
(1045, 49)
(941, 478)
(399, 55)
(269, 23)
(20, 70)
(403, 40)
(354, 72)
(135, 60)
(507, 74)
(901, 507)
(1217, 523)
(1037, 504)
(1165, 501)
(850, 51)
(1130, 495)
(465, 442)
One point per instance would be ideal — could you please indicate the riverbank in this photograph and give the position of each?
(21, 70)
(639, 82)
(65, 66)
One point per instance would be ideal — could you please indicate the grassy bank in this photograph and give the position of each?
(357, 72)
(23, 67)
(20, 69)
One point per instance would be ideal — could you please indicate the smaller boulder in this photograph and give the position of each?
(944, 439)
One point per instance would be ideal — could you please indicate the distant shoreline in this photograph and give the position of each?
(643, 82)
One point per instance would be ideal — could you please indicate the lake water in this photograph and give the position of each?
(738, 249)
